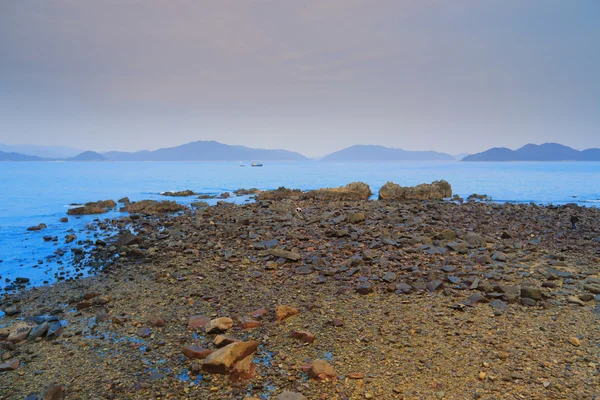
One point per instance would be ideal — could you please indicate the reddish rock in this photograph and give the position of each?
(198, 322)
(219, 325)
(304, 336)
(196, 352)
(338, 322)
(224, 340)
(156, 321)
(259, 314)
(18, 332)
(84, 304)
(223, 360)
(53, 392)
(320, 369)
(10, 366)
(283, 312)
(248, 323)
(243, 370)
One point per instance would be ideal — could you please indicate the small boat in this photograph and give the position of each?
(257, 164)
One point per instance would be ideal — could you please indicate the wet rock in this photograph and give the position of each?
(223, 360)
(196, 352)
(127, 238)
(152, 207)
(182, 193)
(96, 207)
(219, 325)
(303, 336)
(436, 190)
(320, 369)
(64, 219)
(197, 322)
(38, 227)
(124, 200)
(351, 192)
(246, 192)
(10, 366)
(284, 312)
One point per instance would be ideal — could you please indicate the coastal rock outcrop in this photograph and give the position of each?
(435, 190)
(181, 193)
(351, 192)
(153, 207)
(94, 207)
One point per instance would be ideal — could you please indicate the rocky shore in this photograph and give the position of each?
(318, 295)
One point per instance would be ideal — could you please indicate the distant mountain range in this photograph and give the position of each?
(533, 152)
(6, 156)
(215, 151)
(54, 152)
(206, 151)
(381, 153)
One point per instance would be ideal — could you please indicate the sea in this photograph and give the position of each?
(41, 192)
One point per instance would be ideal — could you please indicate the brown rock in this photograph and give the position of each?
(219, 325)
(259, 314)
(289, 255)
(156, 321)
(196, 352)
(303, 336)
(248, 323)
(320, 369)
(198, 322)
(243, 370)
(18, 332)
(223, 360)
(436, 190)
(224, 340)
(53, 392)
(287, 395)
(10, 366)
(283, 312)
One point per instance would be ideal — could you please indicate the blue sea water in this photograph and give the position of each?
(40, 192)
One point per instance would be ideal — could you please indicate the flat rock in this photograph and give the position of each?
(287, 395)
(10, 366)
(288, 255)
(320, 369)
(303, 336)
(223, 360)
(196, 352)
(284, 312)
(219, 325)
(198, 322)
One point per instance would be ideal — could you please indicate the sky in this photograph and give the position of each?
(312, 76)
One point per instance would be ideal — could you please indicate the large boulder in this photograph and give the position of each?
(182, 193)
(153, 207)
(351, 192)
(279, 194)
(94, 207)
(435, 190)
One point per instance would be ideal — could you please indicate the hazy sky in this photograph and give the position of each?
(306, 75)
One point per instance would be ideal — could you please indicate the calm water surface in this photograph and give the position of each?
(31, 193)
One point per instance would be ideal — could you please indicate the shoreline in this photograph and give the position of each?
(489, 291)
